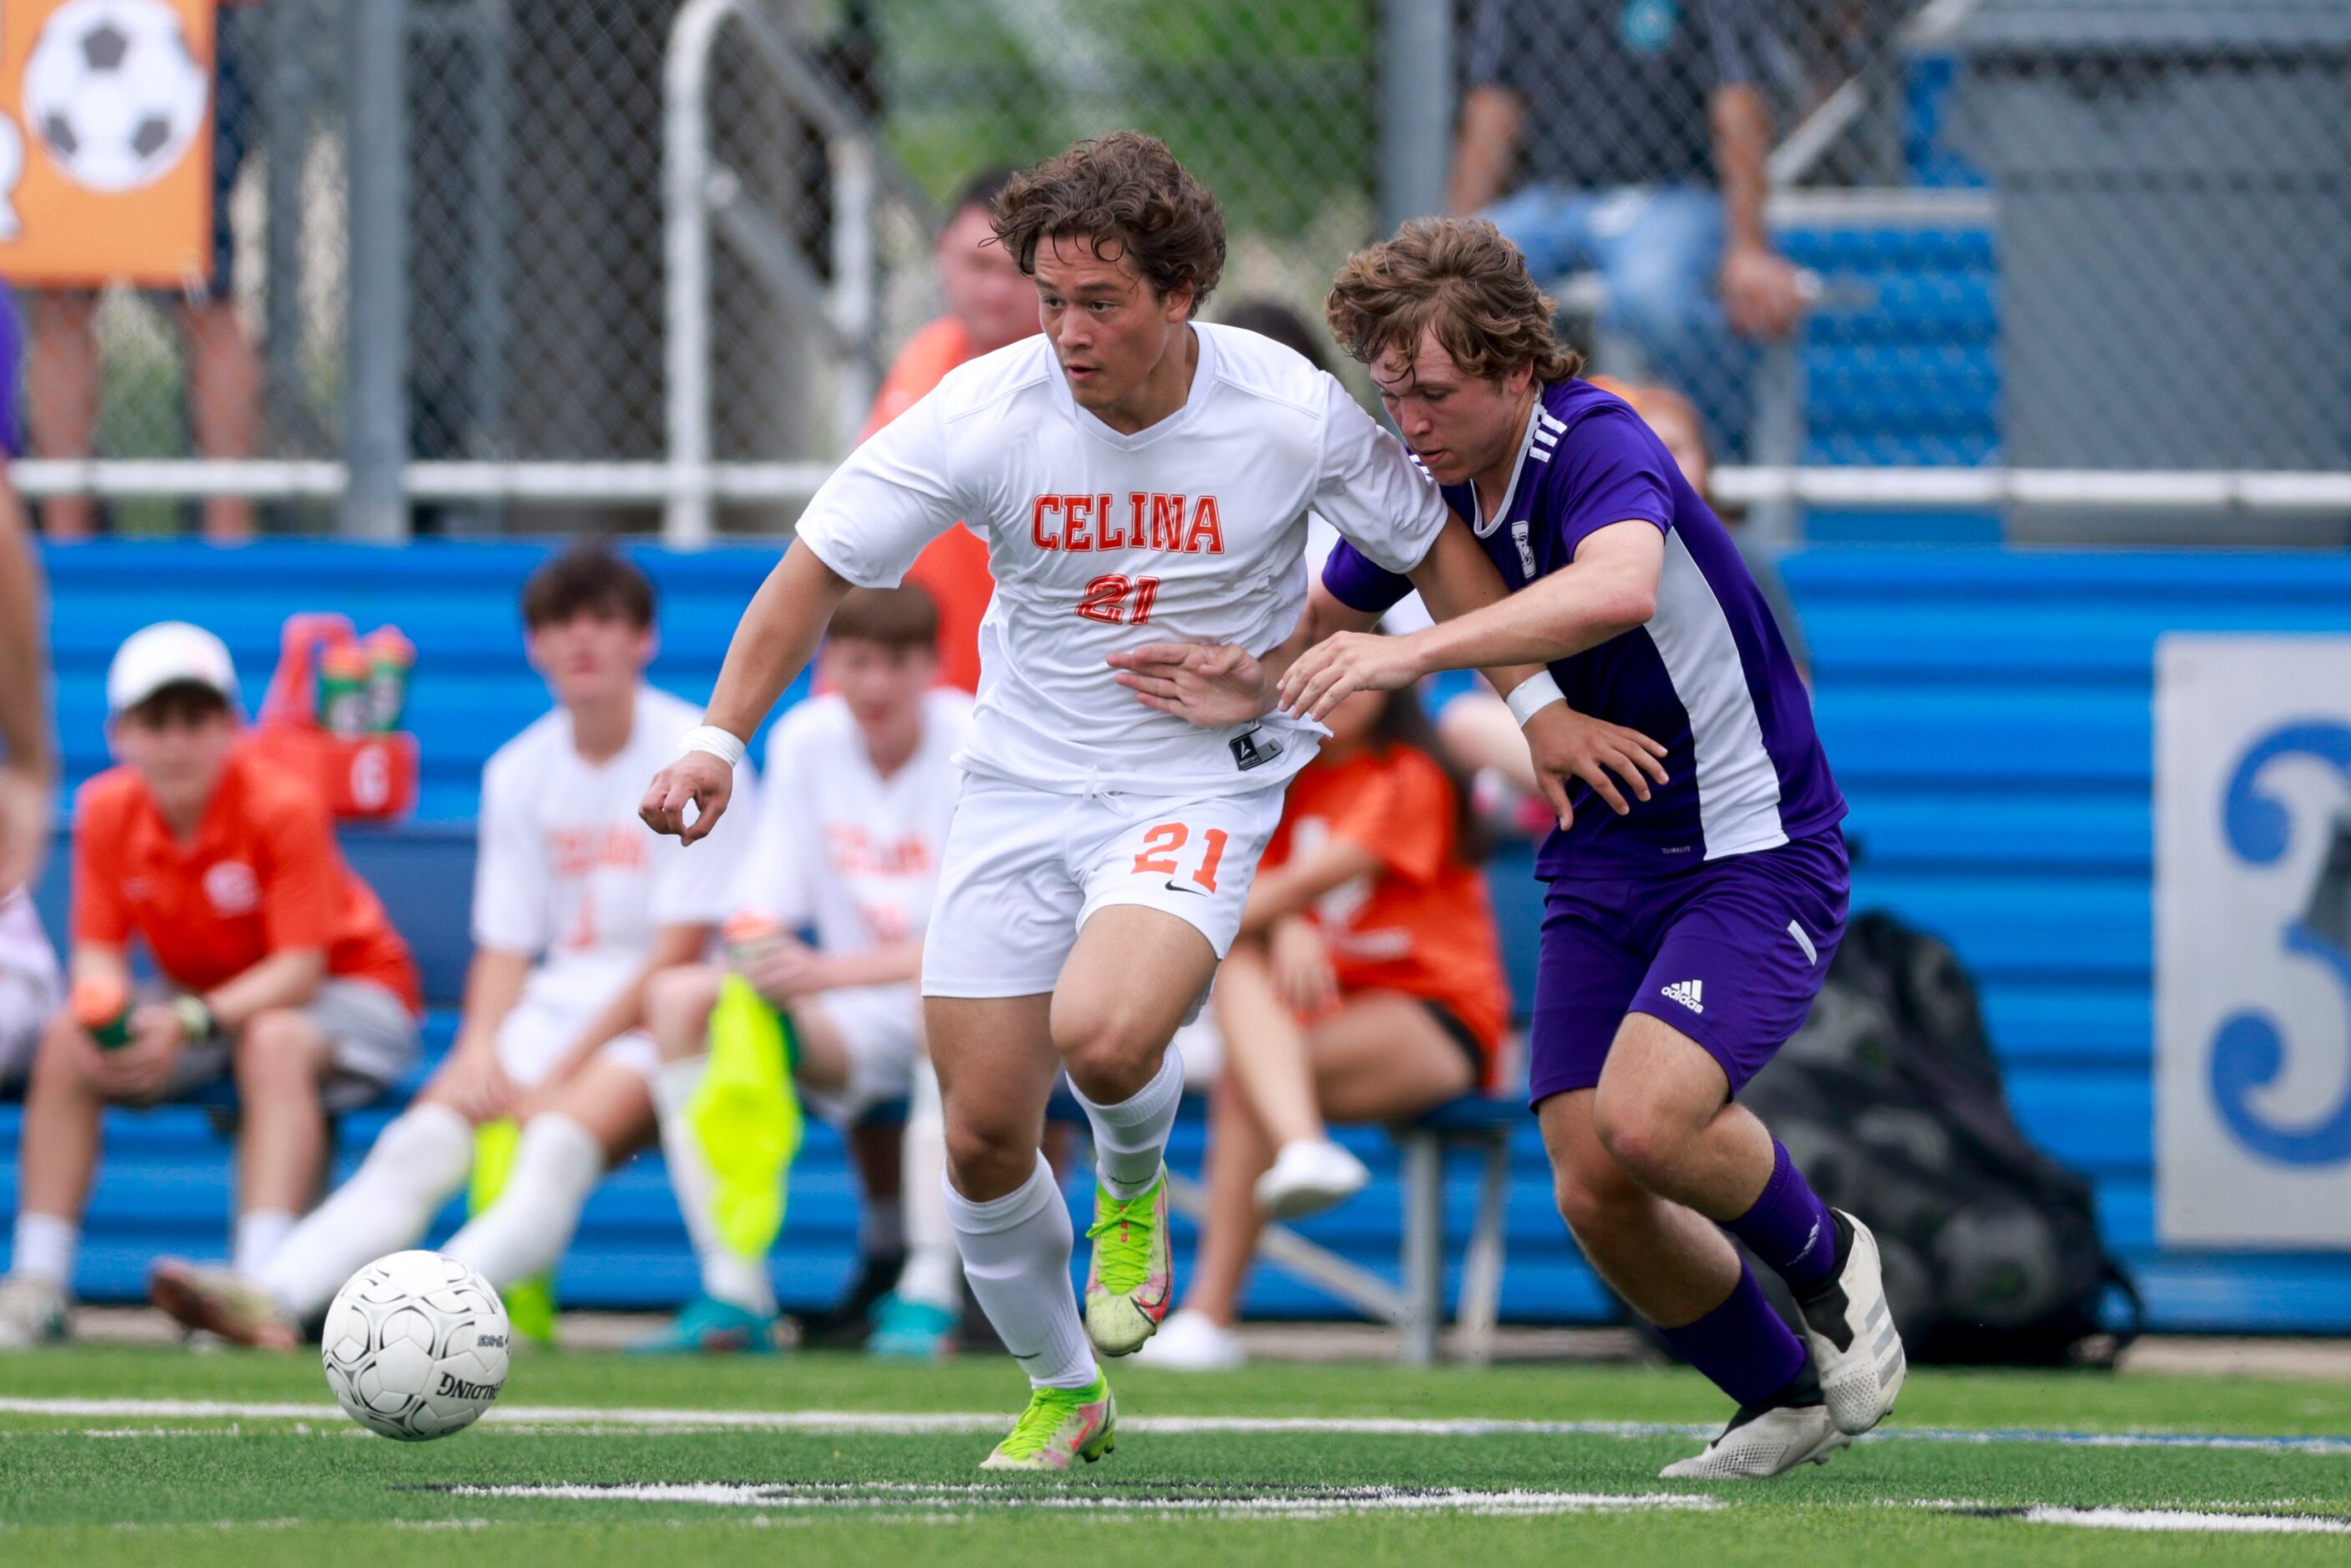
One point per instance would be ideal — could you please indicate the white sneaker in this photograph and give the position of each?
(1308, 1177)
(32, 1313)
(1851, 1333)
(1760, 1444)
(1193, 1342)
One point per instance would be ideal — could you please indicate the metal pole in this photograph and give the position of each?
(375, 410)
(1415, 109)
(686, 253)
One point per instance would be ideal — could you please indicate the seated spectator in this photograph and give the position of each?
(1366, 984)
(576, 903)
(276, 967)
(858, 790)
(990, 304)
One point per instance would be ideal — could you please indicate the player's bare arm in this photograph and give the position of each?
(1216, 684)
(28, 758)
(1608, 590)
(777, 637)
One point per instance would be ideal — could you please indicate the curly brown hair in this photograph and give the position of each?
(1127, 195)
(1460, 277)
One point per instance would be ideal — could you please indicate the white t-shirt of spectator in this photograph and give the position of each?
(568, 872)
(840, 847)
(1191, 530)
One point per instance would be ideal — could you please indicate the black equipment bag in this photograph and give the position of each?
(1889, 1100)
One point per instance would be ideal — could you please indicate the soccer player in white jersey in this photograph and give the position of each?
(854, 804)
(575, 907)
(1139, 477)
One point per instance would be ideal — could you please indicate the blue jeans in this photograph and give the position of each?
(1658, 248)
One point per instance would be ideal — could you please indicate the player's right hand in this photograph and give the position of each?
(696, 780)
(1564, 744)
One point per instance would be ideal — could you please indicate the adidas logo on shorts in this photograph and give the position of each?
(1690, 993)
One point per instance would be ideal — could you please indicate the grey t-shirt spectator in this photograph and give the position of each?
(1615, 90)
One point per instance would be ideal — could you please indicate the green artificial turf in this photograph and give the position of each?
(123, 1484)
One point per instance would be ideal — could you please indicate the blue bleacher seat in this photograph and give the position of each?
(1988, 712)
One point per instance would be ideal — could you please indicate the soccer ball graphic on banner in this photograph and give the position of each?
(415, 1346)
(113, 93)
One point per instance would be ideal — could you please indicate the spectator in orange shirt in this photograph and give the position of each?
(275, 966)
(989, 304)
(1366, 984)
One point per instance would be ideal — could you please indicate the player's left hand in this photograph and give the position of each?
(1762, 294)
(1336, 668)
(1212, 685)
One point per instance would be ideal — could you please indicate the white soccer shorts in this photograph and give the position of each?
(1025, 868)
(535, 1036)
(881, 1030)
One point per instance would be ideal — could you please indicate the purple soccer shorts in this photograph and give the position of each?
(1729, 952)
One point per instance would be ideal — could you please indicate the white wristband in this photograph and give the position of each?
(1533, 695)
(723, 744)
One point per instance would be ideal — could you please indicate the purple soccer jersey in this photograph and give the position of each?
(1708, 677)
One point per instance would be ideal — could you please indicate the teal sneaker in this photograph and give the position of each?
(1060, 1426)
(33, 1312)
(1131, 1279)
(709, 1326)
(912, 1330)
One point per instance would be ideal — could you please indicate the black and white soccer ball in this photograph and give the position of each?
(415, 1346)
(113, 93)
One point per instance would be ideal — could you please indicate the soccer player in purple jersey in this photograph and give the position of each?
(1686, 929)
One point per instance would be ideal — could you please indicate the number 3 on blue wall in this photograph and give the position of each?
(2248, 1053)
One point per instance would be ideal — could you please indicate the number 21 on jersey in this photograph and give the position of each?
(1106, 600)
(1162, 842)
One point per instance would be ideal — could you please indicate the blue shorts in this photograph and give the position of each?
(1729, 952)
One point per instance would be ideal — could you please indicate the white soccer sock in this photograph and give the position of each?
(557, 1164)
(259, 1233)
(1016, 1253)
(934, 1273)
(725, 1275)
(45, 1249)
(1131, 1138)
(418, 1163)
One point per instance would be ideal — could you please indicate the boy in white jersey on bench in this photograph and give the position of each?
(575, 907)
(854, 801)
(1139, 477)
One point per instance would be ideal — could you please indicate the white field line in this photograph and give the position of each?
(858, 1422)
(2186, 1521)
(1305, 1503)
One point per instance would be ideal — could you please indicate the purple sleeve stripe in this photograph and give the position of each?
(1355, 582)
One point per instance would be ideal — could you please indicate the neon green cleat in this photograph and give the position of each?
(1060, 1426)
(1132, 1279)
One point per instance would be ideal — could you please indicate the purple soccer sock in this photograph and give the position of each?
(1789, 1228)
(1741, 1346)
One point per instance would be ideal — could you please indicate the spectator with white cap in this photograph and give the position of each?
(275, 966)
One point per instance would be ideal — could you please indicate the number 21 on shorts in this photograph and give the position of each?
(1162, 843)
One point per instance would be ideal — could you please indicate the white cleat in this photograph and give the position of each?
(1850, 1331)
(1309, 1176)
(1760, 1444)
(1193, 1342)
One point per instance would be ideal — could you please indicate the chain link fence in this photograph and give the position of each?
(2022, 237)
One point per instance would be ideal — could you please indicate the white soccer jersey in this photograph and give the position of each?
(1191, 530)
(568, 872)
(842, 848)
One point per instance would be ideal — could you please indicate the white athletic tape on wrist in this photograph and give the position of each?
(1533, 695)
(723, 744)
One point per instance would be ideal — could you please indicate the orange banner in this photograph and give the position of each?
(106, 142)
